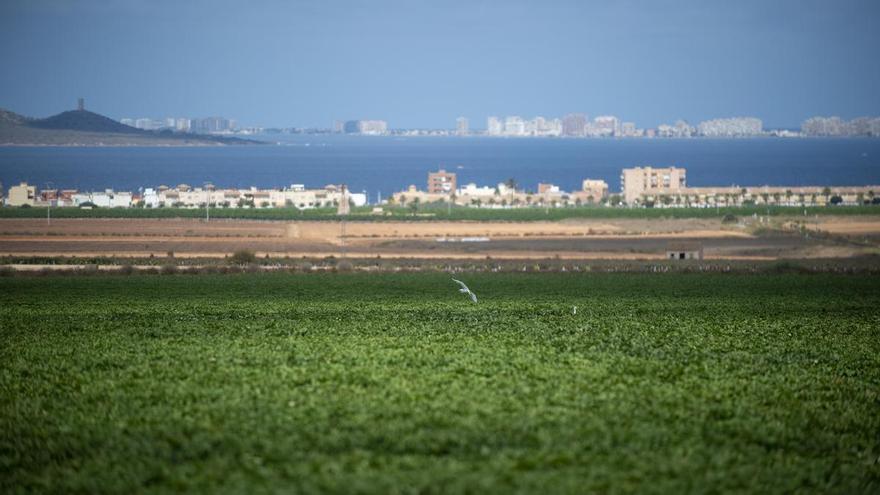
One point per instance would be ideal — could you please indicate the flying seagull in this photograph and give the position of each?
(464, 290)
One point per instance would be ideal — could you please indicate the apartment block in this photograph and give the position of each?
(637, 181)
(441, 182)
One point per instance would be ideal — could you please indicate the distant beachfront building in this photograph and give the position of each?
(373, 127)
(734, 127)
(210, 125)
(574, 125)
(604, 126)
(628, 129)
(182, 124)
(441, 182)
(462, 127)
(494, 127)
(678, 130)
(514, 126)
(366, 127)
(634, 182)
(835, 126)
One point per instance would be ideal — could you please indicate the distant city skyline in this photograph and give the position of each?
(577, 125)
(422, 65)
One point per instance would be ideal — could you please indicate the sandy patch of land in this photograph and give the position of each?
(572, 239)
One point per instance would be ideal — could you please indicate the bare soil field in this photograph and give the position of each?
(571, 239)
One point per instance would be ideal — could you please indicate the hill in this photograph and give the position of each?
(86, 121)
(8, 118)
(85, 128)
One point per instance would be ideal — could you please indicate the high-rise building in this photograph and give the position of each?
(373, 127)
(514, 126)
(462, 126)
(494, 127)
(146, 124)
(368, 127)
(183, 124)
(211, 125)
(628, 129)
(574, 125)
(636, 181)
(441, 182)
(735, 127)
(606, 126)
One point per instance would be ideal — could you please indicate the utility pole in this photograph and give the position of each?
(48, 205)
(208, 201)
(342, 211)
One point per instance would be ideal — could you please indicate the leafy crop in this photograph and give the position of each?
(394, 383)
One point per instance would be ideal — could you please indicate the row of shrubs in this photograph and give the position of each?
(170, 269)
(855, 265)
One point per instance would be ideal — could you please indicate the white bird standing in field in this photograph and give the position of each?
(464, 290)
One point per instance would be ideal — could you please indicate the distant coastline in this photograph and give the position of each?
(82, 128)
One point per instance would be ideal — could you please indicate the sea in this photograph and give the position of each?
(382, 165)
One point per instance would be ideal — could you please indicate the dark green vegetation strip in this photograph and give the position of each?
(396, 383)
(438, 212)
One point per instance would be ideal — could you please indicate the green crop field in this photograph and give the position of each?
(396, 383)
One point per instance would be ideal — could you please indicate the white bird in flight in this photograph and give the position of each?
(464, 290)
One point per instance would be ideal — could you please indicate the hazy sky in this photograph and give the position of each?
(424, 63)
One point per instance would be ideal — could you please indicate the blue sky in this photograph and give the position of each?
(424, 63)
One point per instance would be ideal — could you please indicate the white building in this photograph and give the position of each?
(373, 127)
(514, 126)
(605, 126)
(734, 127)
(494, 127)
(150, 198)
(462, 126)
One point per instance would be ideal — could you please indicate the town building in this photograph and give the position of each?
(595, 189)
(547, 188)
(21, 195)
(634, 182)
(441, 182)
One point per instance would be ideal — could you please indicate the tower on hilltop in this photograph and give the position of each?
(80, 104)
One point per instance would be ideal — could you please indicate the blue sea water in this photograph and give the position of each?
(388, 164)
